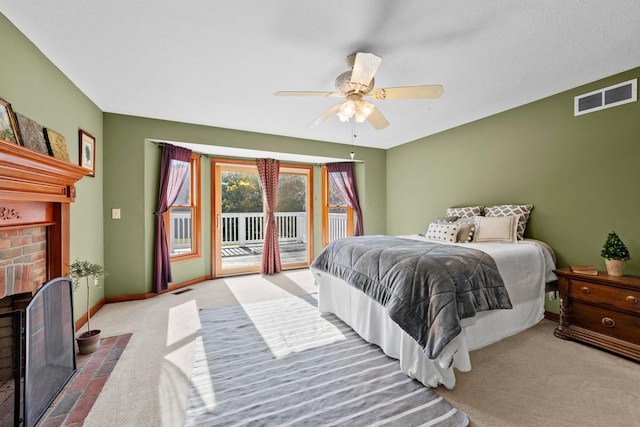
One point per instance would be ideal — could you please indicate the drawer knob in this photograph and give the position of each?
(585, 290)
(608, 322)
(631, 299)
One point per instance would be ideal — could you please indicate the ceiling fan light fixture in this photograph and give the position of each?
(359, 108)
(366, 108)
(347, 109)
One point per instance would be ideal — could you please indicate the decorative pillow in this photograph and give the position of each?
(521, 211)
(501, 229)
(467, 228)
(466, 212)
(446, 220)
(442, 232)
(441, 220)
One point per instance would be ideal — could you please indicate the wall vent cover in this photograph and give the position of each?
(611, 96)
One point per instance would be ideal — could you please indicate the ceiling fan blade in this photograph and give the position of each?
(408, 92)
(364, 67)
(309, 93)
(377, 120)
(331, 111)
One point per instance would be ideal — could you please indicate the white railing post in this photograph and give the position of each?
(242, 228)
(301, 224)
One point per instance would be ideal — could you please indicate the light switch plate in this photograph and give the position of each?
(115, 213)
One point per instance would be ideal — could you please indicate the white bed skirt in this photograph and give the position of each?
(372, 323)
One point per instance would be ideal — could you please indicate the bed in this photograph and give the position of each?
(524, 268)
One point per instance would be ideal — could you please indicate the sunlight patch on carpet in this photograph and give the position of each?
(203, 387)
(183, 321)
(291, 325)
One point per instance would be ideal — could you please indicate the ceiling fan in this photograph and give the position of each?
(356, 84)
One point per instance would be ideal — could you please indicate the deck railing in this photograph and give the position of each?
(248, 228)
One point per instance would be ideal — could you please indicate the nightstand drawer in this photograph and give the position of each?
(624, 299)
(619, 325)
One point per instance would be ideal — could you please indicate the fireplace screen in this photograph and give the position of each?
(50, 347)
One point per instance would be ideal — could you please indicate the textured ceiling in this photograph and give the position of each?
(218, 62)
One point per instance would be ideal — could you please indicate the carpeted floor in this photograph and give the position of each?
(281, 363)
(536, 379)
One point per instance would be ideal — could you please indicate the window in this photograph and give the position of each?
(337, 217)
(183, 218)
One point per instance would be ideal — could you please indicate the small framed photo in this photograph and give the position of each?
(8, 125)
(88, 152)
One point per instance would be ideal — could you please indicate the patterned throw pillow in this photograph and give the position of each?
(496, 230)
(446, 219)
(466, 212)
(442, 232)
(521, 211)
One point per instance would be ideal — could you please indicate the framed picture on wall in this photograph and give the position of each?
(88, 152)
(8, 126)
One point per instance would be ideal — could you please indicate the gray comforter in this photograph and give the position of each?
(426, 287)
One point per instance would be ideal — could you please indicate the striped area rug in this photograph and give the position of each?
(281, 363)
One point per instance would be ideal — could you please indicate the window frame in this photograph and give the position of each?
(194, 171)
(326, 206)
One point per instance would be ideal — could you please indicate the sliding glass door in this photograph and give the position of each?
(239, 213)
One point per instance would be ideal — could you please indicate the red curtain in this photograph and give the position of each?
(343, 177)
(173, 169)
(269, 171)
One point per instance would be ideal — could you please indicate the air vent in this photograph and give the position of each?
(611, 96)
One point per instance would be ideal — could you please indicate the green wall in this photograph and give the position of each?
(580, 173)
(131, 184)
(37, 89)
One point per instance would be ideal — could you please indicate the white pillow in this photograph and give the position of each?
(521, 211)
(502, 229)
(442, 232)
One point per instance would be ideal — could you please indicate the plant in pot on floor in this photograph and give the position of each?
(88, 341)
(615, 254)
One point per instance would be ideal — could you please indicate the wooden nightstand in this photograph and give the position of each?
(601, 310)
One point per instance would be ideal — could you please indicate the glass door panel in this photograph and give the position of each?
(292, 216)
(239, 211)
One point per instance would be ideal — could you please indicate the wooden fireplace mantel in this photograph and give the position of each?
(36, 189)
(29, 175)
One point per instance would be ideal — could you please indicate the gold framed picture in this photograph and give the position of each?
(57, 144)
(87, 152)
(8, 126)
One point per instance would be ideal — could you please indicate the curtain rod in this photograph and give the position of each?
(162, 144)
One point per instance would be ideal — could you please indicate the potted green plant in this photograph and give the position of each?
(615, 254)
(88, 341)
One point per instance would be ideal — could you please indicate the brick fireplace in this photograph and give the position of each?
(36, 191)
